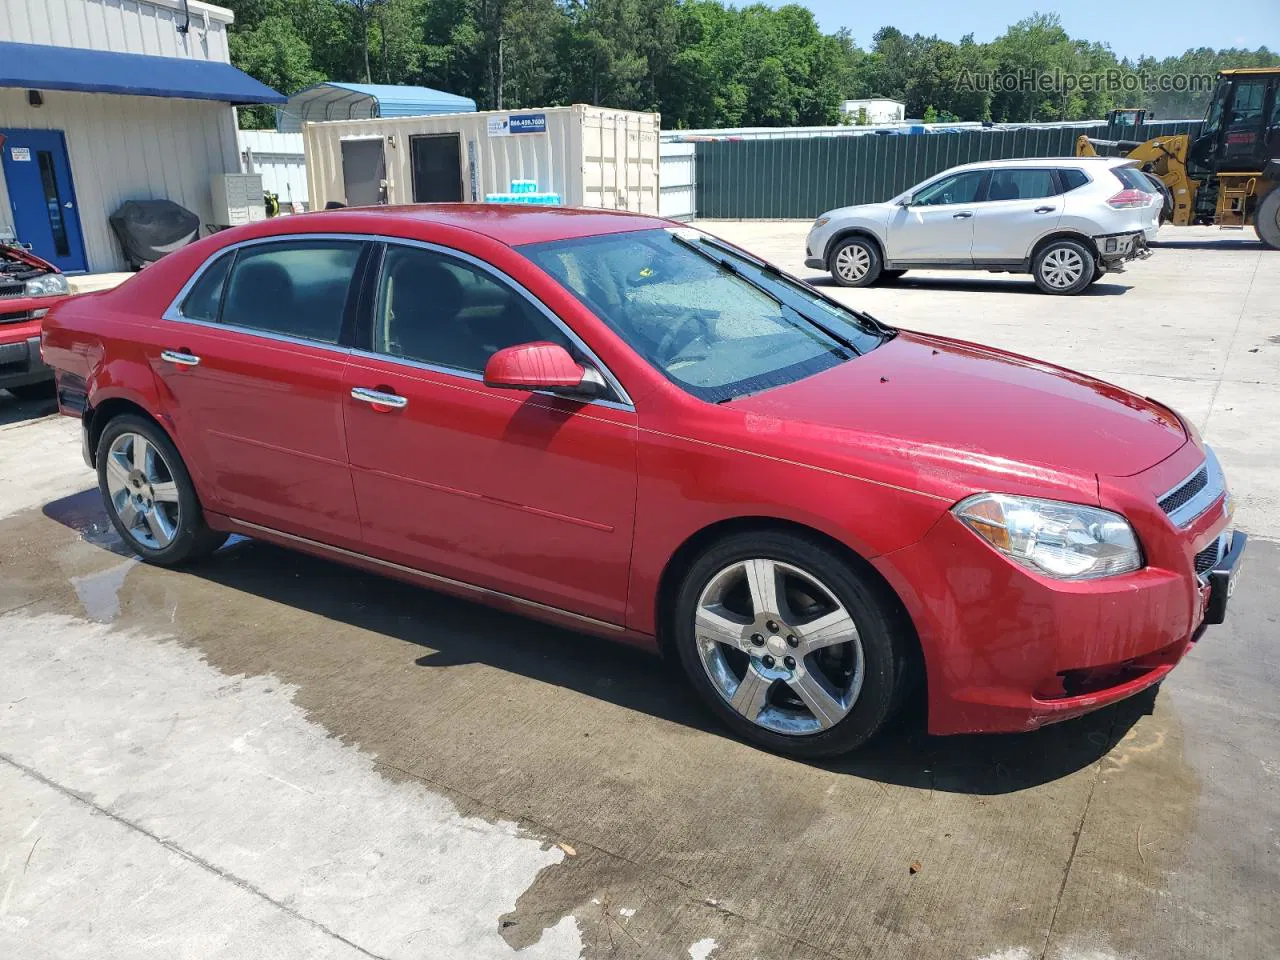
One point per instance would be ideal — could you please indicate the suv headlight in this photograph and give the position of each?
(49, 285)
(1068, 541)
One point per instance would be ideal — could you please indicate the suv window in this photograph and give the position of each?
(436, 309)
(294, 287)
(1021, 185)
(957, 188)
(206, 294)
(1072, 177)
(1132, 178)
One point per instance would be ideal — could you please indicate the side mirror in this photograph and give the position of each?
(542, 366)
(905, 201)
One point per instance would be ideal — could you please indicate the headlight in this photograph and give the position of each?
(821, 222)
(49, 285)
(1068, 541)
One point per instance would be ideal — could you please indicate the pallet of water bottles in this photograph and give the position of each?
(524, 191)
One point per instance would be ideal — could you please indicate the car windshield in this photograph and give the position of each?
(716, 322)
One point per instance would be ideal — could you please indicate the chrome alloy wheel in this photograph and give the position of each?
(1061, 268)
(142, 491)
(853, 262)
(779, 647)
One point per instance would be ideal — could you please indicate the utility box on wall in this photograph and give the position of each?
(237, 199)
(589, 156)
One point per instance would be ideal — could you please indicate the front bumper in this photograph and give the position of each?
(20, 361)
(1008, 650)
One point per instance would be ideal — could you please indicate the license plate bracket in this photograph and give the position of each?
(1222, 579)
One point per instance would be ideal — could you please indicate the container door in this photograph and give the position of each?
(38, 175)
(436, 162)
(364, 172)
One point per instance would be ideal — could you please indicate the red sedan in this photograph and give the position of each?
(631, 428)
(28, 285)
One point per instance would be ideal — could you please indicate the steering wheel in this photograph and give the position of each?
(668, 347)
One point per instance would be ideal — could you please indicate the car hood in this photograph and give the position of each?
(986, 405)
(878, 212)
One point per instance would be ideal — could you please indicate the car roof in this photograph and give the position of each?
(509, 223)
(1082, 162)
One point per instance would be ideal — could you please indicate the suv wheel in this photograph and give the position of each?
(855, 262)
(149, 495)
(1063, 267)
(789, 645)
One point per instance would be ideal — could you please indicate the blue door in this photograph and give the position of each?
(38, 177)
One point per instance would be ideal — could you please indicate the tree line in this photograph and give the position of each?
(701, 63)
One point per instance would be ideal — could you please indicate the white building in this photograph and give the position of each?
(878, 110)
(103, 101)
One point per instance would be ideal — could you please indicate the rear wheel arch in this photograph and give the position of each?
(97, 417)
(1056, 235)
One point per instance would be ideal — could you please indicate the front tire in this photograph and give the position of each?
(1266, 219)
(1063, 267)
(856, 262)
(788, 645)
(149, 495)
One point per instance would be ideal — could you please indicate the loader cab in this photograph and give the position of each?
(1242, 126)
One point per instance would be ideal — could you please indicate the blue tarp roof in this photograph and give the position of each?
(42, 67)
(354, 101)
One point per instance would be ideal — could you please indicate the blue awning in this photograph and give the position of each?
(41, 67)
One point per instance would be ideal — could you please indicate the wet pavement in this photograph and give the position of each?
(270, 755)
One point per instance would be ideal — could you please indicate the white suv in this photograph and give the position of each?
(1065, 221)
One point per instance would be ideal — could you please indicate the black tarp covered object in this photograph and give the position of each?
(148, 229)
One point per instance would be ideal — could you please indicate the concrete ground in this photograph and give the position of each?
(273, 756)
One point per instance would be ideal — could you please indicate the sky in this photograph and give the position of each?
(1160, 29)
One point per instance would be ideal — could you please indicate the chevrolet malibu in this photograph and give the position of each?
(633, 429)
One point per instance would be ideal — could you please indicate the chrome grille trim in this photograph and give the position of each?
(1194, 495)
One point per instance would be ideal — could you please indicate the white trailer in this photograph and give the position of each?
(589, 156)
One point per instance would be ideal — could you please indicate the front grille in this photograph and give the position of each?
(12, 290)
(14, 317)
(1175, 498)
(1207, 557)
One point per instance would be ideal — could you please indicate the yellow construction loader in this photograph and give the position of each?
(1229, 175)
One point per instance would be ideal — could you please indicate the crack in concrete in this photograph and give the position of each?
(185, 854)
(1075, 845)
(1231, 344)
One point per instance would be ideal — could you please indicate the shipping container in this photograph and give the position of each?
(586, 156)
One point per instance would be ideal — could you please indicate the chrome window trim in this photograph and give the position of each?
(174, 311)
(1213, 490)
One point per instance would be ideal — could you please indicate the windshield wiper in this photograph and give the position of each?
(724, 263)
(881, 327)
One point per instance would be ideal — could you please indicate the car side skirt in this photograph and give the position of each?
(460, 588)
(1012, 266)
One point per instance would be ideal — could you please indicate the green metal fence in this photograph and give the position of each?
(803, 177)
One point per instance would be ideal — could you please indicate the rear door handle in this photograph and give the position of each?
(1045, 209)
(962, 216)
(181, 358)
(378, 398)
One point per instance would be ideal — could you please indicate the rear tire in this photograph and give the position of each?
(813, 679)
(1063, 267)
(1266, 219)
(149, 495)
(856, 262)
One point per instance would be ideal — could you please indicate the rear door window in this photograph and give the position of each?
(297, 288)
(1072, 178)
(1013, 184)
(205, 297)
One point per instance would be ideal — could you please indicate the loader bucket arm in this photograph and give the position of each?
(1165, 157)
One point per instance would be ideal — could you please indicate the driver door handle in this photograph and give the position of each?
(1045, 209)
(379, 398)
(179, 357)
(963, 216)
